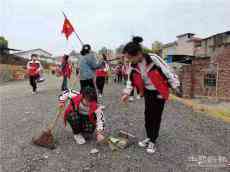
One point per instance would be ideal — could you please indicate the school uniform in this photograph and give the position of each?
(153, 82)
(83, 119)
(33, 69)
(66, 70)
(101, 75)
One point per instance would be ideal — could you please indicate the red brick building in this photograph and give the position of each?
(209, 73)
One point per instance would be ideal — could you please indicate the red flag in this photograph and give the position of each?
(67, 28)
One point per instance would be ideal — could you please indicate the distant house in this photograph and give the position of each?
(168, 51)
(208, 74)
(211, 45)
(182, 49)
(42, 55)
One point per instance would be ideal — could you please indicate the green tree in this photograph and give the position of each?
(119, 49)
(106, 51)
(157, 47)
(3, 45)
(147, 50)
(103, 50)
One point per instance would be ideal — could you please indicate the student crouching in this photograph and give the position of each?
(84, 115)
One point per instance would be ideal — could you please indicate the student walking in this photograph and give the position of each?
(101, 76)
(34, 67)
(66, 70)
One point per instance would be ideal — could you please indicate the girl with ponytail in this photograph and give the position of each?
(152, 78)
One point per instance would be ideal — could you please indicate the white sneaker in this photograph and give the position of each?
(138, 97)
(34, 92)
(131, 99)
(100, 95)
(79, 139)
(144, 143)
(151, 148)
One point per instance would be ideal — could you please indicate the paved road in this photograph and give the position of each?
(184, 134)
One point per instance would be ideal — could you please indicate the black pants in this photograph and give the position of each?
(64, 83)
(100, 82)
(119, 78)
(153, 112)
(33, 82)
(125, 77)
(87, 83)
(107, 79)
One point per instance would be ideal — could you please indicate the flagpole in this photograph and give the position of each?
(78, 38)
(76, 34)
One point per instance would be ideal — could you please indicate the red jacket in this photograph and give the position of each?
(101, 73)
(66, 68)
(157, 79)
(33, 68)
(77, 100)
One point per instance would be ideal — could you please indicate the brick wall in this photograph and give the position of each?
(199, 66)
(223, 60)
(185, 79)
(192, 76)
(13, 60)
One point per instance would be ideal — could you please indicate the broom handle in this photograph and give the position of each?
(54, 122)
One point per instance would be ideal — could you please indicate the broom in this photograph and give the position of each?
(46, 138)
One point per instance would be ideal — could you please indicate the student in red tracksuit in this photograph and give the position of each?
(33, 69)
(101, 75)
(131, 98)
(66, 70)
(118, 71)
(83, 114)
(153, 82)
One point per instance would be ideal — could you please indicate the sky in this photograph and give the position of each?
(30, 24)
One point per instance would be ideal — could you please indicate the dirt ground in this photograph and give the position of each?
(185, 136)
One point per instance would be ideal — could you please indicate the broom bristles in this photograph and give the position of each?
(46, 140)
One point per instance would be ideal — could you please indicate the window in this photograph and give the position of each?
(210, 80)
(197, 44)
(218, 40)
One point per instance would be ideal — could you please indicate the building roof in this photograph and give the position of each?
(195, 39)
(170, 44)
(185, 34)
(33, 50)
(227, 32)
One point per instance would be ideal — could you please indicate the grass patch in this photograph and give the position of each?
(222, 113)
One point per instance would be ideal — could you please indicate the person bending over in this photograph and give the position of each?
(153, 79)
(84, 115)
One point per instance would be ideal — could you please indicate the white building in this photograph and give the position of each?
(42, 55)
(73, 57)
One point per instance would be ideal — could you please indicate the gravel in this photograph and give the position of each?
(183, 134)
